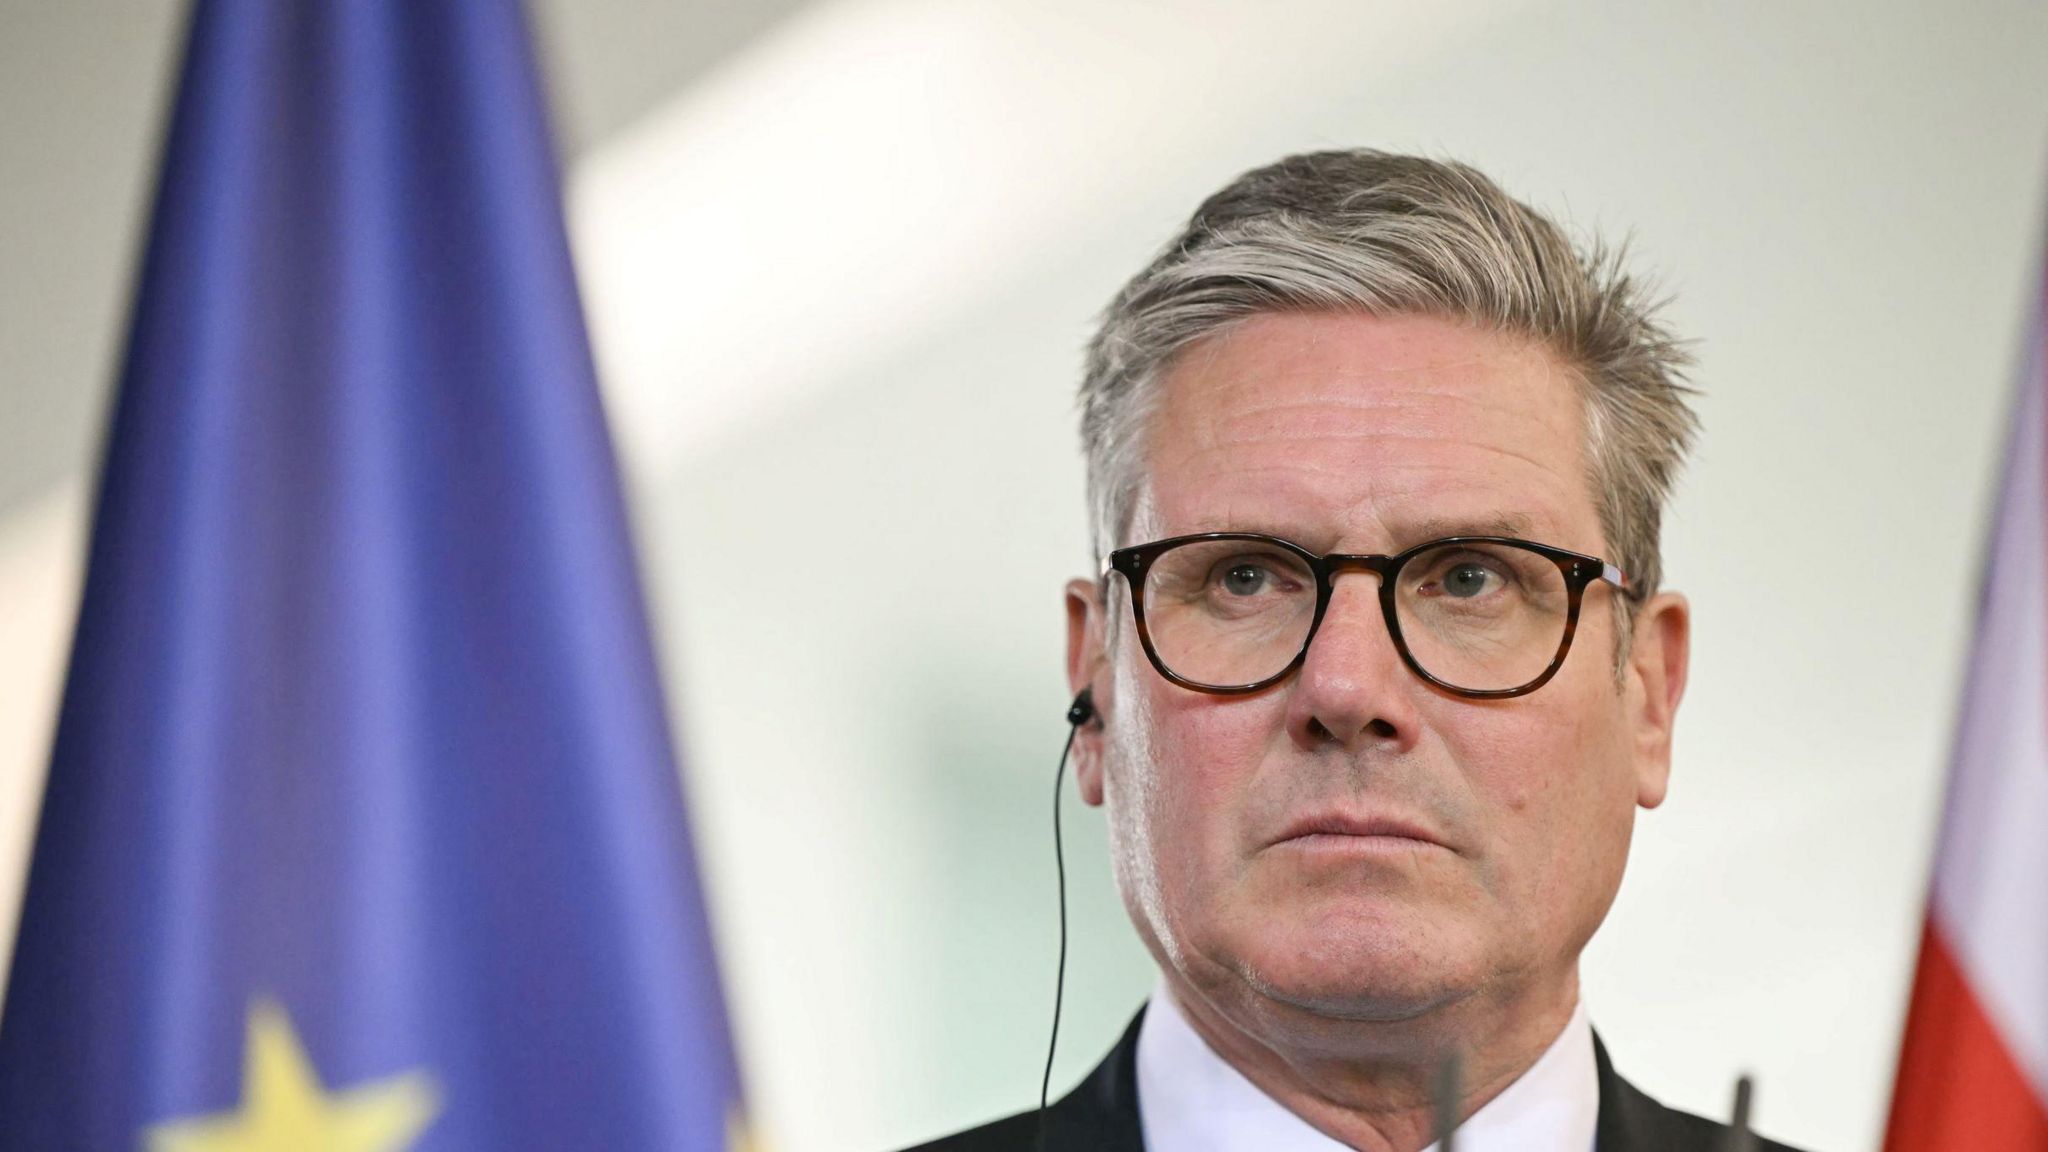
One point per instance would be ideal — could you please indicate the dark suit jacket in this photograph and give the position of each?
(1101, 1115)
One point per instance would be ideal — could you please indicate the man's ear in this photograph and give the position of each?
(1658, 655)
(1087, 660)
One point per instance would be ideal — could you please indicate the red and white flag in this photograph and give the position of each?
(1973, 1072)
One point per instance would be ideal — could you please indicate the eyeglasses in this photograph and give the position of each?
(1485, 617)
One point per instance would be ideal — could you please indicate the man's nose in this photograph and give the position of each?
(1353, 689)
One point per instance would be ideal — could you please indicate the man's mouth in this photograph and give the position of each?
(1341, 828)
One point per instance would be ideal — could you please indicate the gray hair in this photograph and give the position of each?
(1368, 231)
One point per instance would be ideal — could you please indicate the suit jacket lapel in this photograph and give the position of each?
(1102, 1111)
(1632, 1122)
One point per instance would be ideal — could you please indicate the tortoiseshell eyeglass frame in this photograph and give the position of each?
(1579, 571)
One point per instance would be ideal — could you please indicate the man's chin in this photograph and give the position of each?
(1359, 1002)
(1382, 976)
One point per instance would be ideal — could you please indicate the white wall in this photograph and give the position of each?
(840, 292)
(839, 289)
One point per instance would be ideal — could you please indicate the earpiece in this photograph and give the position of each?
(1082, 710)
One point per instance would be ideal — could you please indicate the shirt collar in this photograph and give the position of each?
(1192, 1100)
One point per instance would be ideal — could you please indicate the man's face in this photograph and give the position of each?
(1355, 434)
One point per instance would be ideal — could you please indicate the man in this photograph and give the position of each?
(1378, 669)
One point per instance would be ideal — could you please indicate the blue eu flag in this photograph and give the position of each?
(363, 829)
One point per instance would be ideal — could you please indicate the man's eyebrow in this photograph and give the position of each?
(1497, 524)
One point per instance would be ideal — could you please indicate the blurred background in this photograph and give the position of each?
(839, 259)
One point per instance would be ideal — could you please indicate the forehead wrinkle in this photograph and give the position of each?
(1379, 517)
(1237, 390)
(1307, 467)
(1268, 424)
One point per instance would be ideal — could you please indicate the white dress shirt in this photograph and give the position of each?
(1192, 1100)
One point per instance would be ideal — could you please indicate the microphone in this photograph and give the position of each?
(1081, 711)
(1740, 1138)
(1450, 1092)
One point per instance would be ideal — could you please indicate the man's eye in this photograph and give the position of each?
(1465, 581)
(1245, 579)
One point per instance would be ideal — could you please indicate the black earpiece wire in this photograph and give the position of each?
(1080, 712)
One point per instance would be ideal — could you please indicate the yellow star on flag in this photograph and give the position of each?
(284, 1108)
